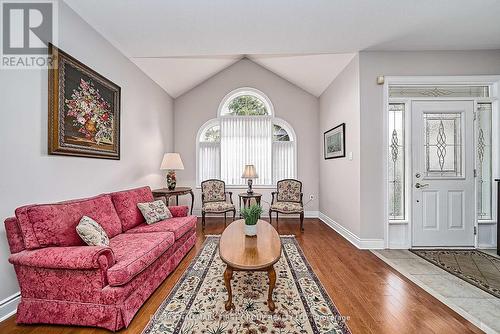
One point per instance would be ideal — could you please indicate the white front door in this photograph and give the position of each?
(443, 173)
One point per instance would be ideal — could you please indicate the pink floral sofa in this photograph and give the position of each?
(63, 281)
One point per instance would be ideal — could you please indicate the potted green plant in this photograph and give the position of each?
(251, 215)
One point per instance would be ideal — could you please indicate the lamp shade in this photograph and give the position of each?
(249, 172)
(171, 161)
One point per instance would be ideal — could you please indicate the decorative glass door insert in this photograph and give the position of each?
(443, 144)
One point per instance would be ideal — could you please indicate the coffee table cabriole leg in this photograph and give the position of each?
(228, 275)
(272, 283)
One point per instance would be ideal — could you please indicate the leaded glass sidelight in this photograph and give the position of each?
(396, 161)
(443, 144)
(483, 156)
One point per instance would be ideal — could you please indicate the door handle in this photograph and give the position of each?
(421, 185)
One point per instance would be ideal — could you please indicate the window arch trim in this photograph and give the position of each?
(288, 128)
(207, 125)
(245, 91)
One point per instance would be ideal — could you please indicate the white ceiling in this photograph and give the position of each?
(177, 75)
(313, 73)
(180, 43)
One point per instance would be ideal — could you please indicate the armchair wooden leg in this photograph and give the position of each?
(225, 219)
(270, 217)
(234, 215)
(277, 220)
(203, 220)
(302, 221)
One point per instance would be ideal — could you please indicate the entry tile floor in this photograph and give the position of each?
(474, 304)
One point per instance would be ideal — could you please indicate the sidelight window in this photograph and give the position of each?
(483, 162)
(396, 161)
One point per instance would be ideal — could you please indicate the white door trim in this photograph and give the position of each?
(491, 80)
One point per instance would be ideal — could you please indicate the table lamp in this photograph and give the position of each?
(249, 173)
(171, 162)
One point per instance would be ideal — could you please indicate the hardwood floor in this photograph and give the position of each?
(375, 297)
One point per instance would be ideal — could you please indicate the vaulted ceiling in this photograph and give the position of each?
(181, 43)
(177, 75)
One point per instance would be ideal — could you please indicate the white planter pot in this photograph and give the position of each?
(251, 230)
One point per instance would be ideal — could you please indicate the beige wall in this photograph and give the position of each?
(373, 64)
(294, 105)
(340, 178)
(29, 175)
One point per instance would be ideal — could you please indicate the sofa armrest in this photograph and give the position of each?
(75, 257)
(179, 211)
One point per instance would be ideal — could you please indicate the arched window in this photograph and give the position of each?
(246, 132)
(246, 101)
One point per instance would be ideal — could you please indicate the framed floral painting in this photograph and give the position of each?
(84, 110)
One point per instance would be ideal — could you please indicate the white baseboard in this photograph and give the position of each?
(311, 214)
(351, 237)
(307, 214)
(8, 306)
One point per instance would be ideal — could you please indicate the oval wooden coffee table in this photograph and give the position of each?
(242, 253)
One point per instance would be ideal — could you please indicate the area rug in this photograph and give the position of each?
(196, 303)
(475, 267)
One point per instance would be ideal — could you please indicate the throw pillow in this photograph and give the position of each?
(91, 232)
(154, 211)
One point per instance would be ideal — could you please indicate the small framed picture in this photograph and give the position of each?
(334, 142)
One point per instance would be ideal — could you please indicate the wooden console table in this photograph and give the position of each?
(178, 191)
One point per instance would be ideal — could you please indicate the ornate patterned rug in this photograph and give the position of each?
(196, 303)
(477, 268)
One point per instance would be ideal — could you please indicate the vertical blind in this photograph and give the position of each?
(246, 140)
(209, 160)
(283, 160)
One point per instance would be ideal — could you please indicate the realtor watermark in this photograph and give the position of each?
(27, 29)
(277, 319)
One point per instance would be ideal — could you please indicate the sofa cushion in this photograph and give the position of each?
(14, 235)
(126, 205)
(91, 232)
(134, 252)
(177, 225)
(46, 225)
(154, 211)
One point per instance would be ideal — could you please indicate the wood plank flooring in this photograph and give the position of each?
(375, 297)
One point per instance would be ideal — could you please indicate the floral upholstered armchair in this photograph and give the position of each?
(288, 200)
(214, 199)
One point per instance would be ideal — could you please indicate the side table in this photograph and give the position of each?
(178, 191)
(246, 197)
